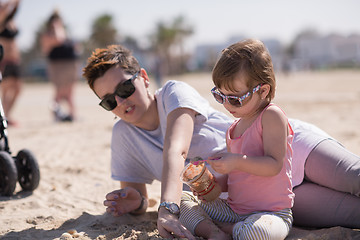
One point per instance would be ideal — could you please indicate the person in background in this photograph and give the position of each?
(157, 134)
(63, 65)
(257, 168)
(10, 65)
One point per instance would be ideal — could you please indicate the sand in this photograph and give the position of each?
(74, 158)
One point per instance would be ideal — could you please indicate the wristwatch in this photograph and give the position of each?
(173, 208)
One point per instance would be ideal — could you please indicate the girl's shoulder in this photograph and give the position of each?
(273, 109)
(273, 113)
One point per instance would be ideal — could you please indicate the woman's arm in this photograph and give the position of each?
(52, 37)
(3, 14)
(47, 43)
(14, 9)
(179, 131)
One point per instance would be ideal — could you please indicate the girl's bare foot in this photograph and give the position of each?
(209, 230)
(217, 234)
(225, 227)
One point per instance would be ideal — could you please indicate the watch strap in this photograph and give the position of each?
(167, 205)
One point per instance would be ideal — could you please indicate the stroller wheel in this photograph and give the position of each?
(8, 174)
(28, 170)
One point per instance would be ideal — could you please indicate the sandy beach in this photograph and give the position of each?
(74, 158)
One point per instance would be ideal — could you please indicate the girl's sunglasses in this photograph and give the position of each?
(233, 100)
(123, 90)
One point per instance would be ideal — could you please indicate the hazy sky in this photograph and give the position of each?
(213, 21)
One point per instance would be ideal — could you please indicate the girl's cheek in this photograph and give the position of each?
(229, 108)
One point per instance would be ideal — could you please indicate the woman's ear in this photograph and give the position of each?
(145, 76)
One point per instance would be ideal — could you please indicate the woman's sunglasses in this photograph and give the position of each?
(233, 100)
(123, 90)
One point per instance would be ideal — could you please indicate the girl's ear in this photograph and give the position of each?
(264, 91)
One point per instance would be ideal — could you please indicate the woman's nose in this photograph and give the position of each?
(119, 100)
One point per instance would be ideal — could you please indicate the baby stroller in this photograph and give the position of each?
(23, 168)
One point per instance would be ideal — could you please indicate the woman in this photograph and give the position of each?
(62, 65)
(10, 65)
(157, 133)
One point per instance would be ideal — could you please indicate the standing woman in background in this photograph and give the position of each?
(10, 65)
(62, 65)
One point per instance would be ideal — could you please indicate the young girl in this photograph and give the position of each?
(257, 166)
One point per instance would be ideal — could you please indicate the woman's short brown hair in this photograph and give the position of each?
(103, 59)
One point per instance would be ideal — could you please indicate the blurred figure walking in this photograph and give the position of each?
(10, 65)
(62, 65)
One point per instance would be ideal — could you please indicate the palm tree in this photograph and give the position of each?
(103, 34)
(167, 41)
(103, 31)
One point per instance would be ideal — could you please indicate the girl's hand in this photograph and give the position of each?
(122, 201)
(197, 195)
(223, 163)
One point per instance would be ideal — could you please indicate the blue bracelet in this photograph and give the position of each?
(141, 204)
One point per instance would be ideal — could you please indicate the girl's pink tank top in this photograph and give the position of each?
(249, 193)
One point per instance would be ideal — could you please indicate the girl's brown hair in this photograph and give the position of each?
(252, 59)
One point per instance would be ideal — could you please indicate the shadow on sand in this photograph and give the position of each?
(92, 226)
(144, 227)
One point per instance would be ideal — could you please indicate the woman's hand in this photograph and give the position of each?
(122, 201)
(169, 226)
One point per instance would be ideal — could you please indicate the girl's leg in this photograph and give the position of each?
(191, 213)
(331, 165)
(70, 101)
(318, 206)
(11, 87)
(266, 225)
(196, 220)
(66, 94)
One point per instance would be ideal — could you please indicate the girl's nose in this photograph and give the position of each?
(227, 105)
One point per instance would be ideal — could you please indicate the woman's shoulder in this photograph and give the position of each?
(175, 84)
(121, 128)
(177, 94)
(175, 87)
(307, 129)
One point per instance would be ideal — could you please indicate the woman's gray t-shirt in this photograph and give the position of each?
(136, 154)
